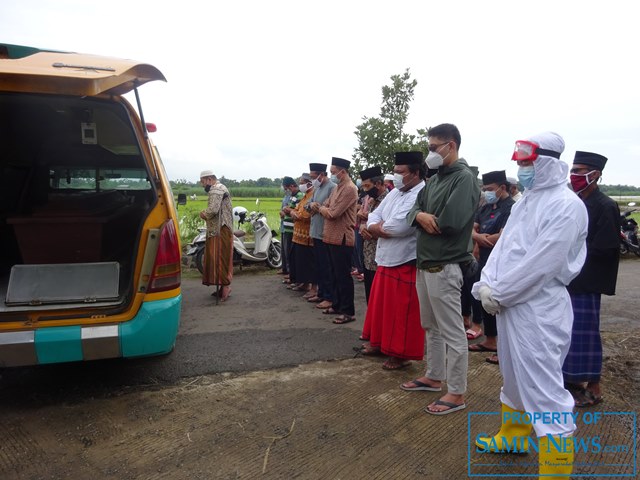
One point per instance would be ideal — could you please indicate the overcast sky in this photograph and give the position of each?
(262, 88)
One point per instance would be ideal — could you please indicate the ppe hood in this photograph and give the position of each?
(30, 70)
(550, 171)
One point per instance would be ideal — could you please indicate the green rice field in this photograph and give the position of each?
(190, 221)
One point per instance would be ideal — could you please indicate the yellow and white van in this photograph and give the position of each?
(89, 244)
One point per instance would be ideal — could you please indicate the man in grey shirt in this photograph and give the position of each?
(322, 188)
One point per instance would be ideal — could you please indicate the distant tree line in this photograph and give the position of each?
(620, 190)
(263, 187)
(267, 187)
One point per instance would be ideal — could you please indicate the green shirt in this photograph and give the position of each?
(287, 221)
(452, 196)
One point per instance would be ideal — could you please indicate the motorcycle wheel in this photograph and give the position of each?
(274, 255)
(623, 249)
(199, 259)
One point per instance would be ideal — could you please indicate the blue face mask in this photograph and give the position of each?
(490, 197)
(526, 176)
(334, 179)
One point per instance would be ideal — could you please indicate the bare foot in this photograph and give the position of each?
(226, 292)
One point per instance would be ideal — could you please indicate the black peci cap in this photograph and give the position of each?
(408, 158)
(499, 177)
(371, 172)
(592, 159)
(317, 167)
(340, 162)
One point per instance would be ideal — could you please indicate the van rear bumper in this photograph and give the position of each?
(152, 331)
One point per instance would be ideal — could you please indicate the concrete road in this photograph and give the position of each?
(266, 386)
(263, 325)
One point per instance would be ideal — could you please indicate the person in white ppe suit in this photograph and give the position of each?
(542, 248)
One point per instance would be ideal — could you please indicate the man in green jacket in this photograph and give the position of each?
(444, 213)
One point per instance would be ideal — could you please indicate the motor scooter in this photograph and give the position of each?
(265, 247)
(629, 233)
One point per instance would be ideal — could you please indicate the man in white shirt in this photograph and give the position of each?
(392, 324)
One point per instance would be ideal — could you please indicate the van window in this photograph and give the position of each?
(73, 178)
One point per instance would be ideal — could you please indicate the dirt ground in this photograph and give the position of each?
(342, 418)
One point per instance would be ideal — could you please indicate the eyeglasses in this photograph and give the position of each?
(434, 148)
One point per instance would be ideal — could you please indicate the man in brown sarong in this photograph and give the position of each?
(218, 254)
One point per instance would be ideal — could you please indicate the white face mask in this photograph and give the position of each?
(434, 160)
(304, 187)
(398, 180)
(316, 183)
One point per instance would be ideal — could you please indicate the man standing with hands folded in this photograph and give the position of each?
(444, 213)
(339, 213)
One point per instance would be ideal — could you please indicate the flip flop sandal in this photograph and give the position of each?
(421, 387)
(589, 399)
(323, 307)
(368, 350)
(344, 319)
(314, 300)
(395, 366)
(473, 335)
(478, 347)
(329, 311)
(453, 407)
(493, 360)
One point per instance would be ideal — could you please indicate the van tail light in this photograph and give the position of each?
(166, 268)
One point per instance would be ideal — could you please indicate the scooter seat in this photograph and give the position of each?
(239, 233)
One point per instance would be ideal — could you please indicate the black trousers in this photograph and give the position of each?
(323, 270)
(340, 256)
(368, 281)
(287, 240)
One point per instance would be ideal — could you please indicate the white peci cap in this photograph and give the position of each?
(206, 173)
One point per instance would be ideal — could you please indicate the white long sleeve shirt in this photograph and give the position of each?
(400, 248)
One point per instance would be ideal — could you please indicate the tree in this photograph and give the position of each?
(380, 137)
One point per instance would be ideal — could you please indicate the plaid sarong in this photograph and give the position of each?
(584, 360)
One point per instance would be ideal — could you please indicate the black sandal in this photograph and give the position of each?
(344, 319)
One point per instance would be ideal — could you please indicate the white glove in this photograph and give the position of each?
(490, 305)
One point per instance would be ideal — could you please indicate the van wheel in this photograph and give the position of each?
(199, 261)
(274, 256)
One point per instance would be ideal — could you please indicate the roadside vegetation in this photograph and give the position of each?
(190, 221)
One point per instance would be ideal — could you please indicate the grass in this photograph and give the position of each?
(190, 220)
